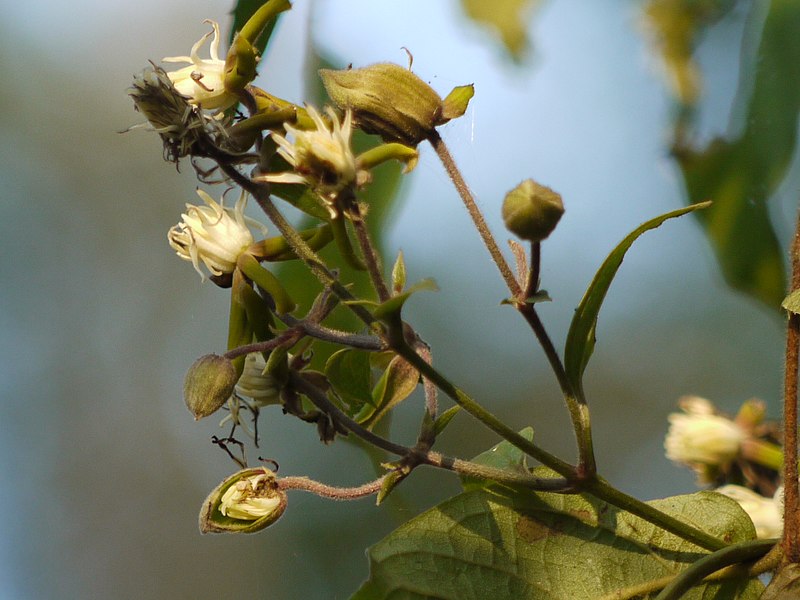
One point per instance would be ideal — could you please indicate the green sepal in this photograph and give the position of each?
(390, 309)
(391, 481)
(386, 152)
(259, 314)
(213, 521)
(343, 243)
(240, 65)
(244, 134)
(443, 420)
(267, 282)
(581, 335)
(240, 331)
(277, 249)
(456, 102)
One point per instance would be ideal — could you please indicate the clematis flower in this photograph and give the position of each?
(212, 234)
(256, 384)
(321, 157)
(203, 81)
(764, 512)
(250, 498)
(702, 439)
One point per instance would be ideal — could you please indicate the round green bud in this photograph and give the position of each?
(208, 385)
(532, 211)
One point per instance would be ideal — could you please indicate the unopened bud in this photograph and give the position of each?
(390, 101)
(532, 211)
(209, 383)
(245, 502)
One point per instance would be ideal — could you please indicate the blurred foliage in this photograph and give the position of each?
(676, 26)
(741, 171)
(507, 18)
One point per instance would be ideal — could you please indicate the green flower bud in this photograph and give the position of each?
(532, 211)
(389, 100)
(245, 502)
(209, 383)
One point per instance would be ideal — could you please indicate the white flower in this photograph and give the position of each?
(203, 81)
(764, 512)
(250, 498)
(255, 383)
(321, 157)
(698, 437)
(213, 234)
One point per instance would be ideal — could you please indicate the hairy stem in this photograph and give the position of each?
(369, 253)
(791, 507)
(474, 212)
(328, 491)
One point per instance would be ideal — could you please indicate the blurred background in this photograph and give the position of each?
(104, 469)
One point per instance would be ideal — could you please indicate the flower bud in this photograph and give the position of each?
(532, 211)
(209, 383)
(701, 439)
(389, 100)
(245, 502)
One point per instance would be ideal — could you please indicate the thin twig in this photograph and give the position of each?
(480, 223)
(328, 491)
(369, 253)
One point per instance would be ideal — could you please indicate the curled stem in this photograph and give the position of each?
(328, 491)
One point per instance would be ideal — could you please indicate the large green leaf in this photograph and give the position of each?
(581, 335)
(543, 546)
(741, 172)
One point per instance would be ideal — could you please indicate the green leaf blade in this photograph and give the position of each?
(581, 335)
(542, 546)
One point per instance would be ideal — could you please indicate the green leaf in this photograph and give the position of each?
(397, 383)
(504, 456)
(741, 171)
(393, 305)
(443, 420)
(581, 335)
(350, 374)
(544, 546)
(508, 18)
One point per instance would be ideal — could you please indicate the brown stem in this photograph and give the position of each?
(791, 516)
(369, 254)
(480, 223)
